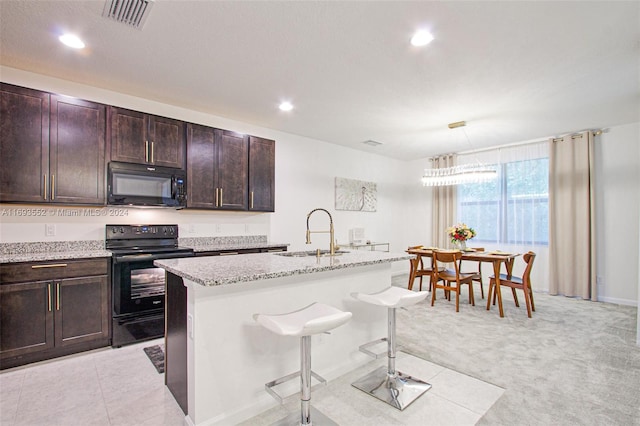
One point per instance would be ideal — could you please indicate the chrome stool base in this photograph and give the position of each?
(397, 390)
(317, 417)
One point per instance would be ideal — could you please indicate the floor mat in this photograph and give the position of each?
(156, 355)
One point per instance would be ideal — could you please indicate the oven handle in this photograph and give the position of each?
(146, 257)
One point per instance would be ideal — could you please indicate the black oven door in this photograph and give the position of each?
(138, 285)
(138, 297)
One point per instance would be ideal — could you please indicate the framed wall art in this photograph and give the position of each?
(356, 195)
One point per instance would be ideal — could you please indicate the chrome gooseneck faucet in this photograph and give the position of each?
(332, 247)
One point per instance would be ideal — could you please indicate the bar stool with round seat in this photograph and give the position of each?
(385, 383)
(314, 319)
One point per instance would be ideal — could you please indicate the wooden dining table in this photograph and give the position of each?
(494, 257)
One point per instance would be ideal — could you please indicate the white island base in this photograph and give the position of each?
(230, 357)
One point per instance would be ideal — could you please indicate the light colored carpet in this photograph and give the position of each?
(575, 362)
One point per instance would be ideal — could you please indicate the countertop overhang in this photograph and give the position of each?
(224, 270)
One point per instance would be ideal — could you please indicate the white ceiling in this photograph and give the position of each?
(514, 70)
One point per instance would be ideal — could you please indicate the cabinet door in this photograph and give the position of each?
(77, 149)
(129, 141)
(81, 310)
(232, 168)
(26, 318)
(24, 144)
(201, 157)
(262, 157)
(166, 142)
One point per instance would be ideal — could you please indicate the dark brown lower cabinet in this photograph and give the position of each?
(175, 359)
(46, 311)
(26, 318)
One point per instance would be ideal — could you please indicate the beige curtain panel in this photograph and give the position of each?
(444, 204)
(572, 248)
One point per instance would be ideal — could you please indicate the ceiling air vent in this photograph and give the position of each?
(372, 143)
(130, 12)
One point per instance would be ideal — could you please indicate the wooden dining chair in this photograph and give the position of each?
(479, 273)
(523, 283)
(452, 279)
(417, 270)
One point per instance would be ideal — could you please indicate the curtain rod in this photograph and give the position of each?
(578, 136)
(575, 136)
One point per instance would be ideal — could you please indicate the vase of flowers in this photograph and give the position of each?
(459, 235)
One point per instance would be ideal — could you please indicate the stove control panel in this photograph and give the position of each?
(141, 231)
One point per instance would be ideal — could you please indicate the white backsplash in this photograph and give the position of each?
(36, 223)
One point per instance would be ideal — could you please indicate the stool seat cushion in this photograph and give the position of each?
(313, 319)
(392, 297)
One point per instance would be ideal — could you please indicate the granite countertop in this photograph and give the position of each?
(223, 270)
(43, 251)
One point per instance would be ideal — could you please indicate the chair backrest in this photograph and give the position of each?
(452, 256)
(528, 257)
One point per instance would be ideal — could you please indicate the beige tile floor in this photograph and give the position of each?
(121, 387)
(105, 387)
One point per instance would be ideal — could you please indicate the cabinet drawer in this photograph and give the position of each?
(52, 270)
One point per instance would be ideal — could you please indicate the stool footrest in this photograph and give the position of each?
(284, 399)
(365, 348)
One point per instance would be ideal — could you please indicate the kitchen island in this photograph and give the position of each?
(210, 305)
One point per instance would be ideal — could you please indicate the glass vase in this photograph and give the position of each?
(459, 245)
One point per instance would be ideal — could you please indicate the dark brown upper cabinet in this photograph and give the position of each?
(262, 156)
(217, 168)
(52, 148)
(146, 139)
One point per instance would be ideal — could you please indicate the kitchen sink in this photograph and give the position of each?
(309, 253)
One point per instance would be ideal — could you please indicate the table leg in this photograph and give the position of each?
(496, 273)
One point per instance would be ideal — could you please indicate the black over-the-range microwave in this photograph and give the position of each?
(144, 185)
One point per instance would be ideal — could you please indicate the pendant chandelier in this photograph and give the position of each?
(456, 175)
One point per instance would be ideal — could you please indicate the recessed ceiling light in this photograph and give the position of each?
(286, 106)
(421, 38)
(71, 41)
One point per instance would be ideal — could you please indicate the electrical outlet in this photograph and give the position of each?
(192, 228)
(50, 230)
(246, 228)
(190, 325)
(599, 280)
(217, 227)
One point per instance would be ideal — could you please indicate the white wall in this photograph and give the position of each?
(618, 208)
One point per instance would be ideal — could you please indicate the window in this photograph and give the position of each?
(512, 209)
